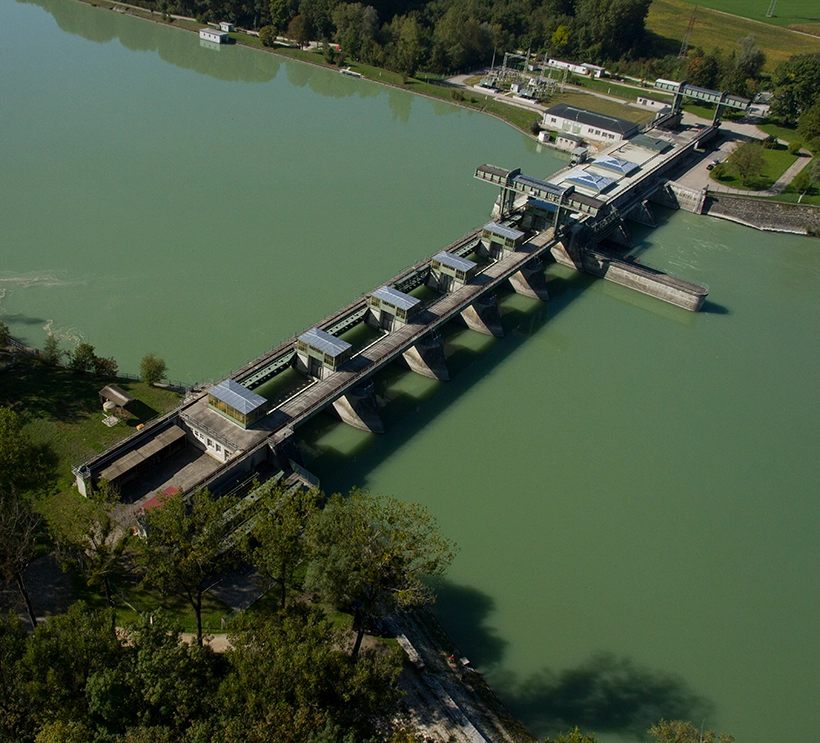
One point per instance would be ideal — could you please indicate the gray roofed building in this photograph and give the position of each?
(453, 261)
(588, 123)
(238, 397)
(396, 298)
(502, 231)
(324, 342)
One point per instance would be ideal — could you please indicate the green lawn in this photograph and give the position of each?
(62, 410)
(603, 85)
(777, 160)
(712, 30)
(787, 13)
(603, 106)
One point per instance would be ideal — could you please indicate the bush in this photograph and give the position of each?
(457, 95)
(535, 127)
(152, 369)
(267, 35)
(794, 147)
(51, 351)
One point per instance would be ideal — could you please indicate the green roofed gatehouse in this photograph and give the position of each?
(390, 308)
(237, 403)
(319, 353)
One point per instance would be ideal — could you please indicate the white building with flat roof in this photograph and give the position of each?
(215, 36)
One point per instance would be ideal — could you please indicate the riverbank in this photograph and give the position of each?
(518, 118)
(762, 214)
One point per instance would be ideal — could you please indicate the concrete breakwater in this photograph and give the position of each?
(771, 216)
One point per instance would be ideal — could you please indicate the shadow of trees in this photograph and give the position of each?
(606, 694)
(467, 608)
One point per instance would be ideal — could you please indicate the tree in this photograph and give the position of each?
(51, 350)
(18, 534)
(676, 731)
(106, 368)
(23, 464)
(572, 736)
(747, 159)
(703, 71)
(153, 368)
(15, 720)
(267, 35)
(371, 555)
(298, 31)
(81, 359)
(809, 126)
(279, 532)
(280, 13)
(795, 86)
(409, 46)
(292, 682)
(61, 656)
(185, 545)
(91, 540)
(5, 335)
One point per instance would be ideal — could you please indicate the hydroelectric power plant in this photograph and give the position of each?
(228, 436)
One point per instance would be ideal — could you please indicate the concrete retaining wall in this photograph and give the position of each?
(771, 216)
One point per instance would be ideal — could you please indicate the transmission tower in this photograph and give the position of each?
(770, 11)
(685, 45)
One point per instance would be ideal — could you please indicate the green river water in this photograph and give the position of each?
(634, 488)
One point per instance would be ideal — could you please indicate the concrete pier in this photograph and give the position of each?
(358, 409)
(483, 316)
(642, 214)
(530, 281)
(427, 358)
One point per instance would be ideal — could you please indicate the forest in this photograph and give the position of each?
(440, 36)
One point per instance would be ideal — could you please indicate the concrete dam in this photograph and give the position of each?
(227, 436)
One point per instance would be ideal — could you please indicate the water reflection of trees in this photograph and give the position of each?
(179, 49)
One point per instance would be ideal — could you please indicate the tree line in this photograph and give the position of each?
(439, 36)
(292, 674)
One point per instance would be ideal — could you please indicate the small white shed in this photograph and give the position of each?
(213, 35)
(227, 27)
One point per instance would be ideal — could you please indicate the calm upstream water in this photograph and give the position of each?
(633, 487)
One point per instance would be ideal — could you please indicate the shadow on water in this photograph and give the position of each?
(606, 694)
(713, 308)
(469, 608)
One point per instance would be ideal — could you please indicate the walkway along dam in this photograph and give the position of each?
(243, 429)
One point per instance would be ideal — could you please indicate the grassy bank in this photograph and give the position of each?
(62, 410)
(715, 30)
(795, 14)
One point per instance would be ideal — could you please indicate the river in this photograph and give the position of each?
(633, 488)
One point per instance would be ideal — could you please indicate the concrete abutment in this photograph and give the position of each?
(427, 358)
(483, 316)
(358, 408)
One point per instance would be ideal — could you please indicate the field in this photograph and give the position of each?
(713, 29)
(788, 13)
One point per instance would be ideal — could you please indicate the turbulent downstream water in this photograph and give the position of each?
(633, 487)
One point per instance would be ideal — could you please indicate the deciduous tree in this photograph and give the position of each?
(371, 555)
(278, 538)
(747, 159)
(90, 539)
(18, 534)
(5, 335)
(185, 545)
(153, 368)
(51, 350)
(81, 359)
(676, 731)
